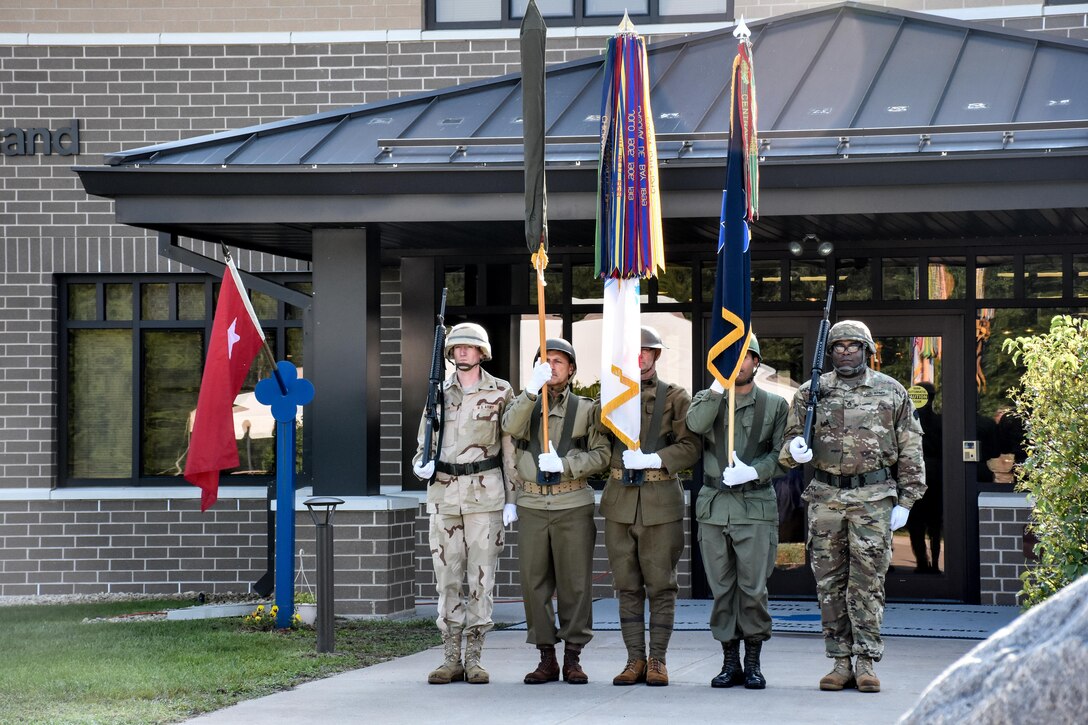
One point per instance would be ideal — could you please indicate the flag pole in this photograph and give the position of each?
(732, 408)
(540, 261)
(264, 341)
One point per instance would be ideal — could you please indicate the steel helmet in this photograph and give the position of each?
(851, 330)
(558, 343)
(753, 346)
(468, 333)
(651, 339)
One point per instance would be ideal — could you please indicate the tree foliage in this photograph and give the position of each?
(1053, 400)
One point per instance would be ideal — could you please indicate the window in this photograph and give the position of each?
(508, 13)
(132, 355)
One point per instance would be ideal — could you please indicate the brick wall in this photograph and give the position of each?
(214, 16)
(1002, 518)
(161, 546)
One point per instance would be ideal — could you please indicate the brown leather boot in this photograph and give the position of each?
(840, 677)
(572, 669)
(633, 673)
(656, 673)
(866, 677)
(547, 670)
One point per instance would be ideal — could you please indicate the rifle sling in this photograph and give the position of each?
(568, 428)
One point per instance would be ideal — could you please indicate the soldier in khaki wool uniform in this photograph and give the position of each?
(644, 512)
(867, 452)
(737, 511)
(556, 532)
(470, 499)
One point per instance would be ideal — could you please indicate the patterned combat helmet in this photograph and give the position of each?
(468, 333)
(851, 330)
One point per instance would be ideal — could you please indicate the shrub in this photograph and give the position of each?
(1053, 401)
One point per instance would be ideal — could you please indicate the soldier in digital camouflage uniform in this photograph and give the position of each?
(644, 527)
(470, 499)
(556, 533)
(737, 511)
(867, 452)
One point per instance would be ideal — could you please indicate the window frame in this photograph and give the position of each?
(277, 327)
(578, 19)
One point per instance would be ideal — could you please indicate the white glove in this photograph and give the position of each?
(541, 374)
(899, 517)
(637, 460)
(509, 514)
(800, 450)
(424, 470)
(738, 473)
(550, 462)
(717, 387)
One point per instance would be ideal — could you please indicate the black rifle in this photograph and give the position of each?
(433, 411)
(818, 367)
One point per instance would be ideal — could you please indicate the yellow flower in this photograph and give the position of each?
(260, 607)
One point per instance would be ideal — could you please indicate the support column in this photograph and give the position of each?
(344, 363)
(418, 307)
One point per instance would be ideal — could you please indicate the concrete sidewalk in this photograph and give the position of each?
(397, 691)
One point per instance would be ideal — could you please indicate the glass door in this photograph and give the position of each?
(925, 354)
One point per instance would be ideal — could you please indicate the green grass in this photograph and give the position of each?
(54, 668)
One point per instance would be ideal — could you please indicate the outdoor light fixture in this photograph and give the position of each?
(812, 242)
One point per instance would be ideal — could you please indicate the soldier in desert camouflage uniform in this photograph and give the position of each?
(867, 452)
(470, 499)
(644, 527)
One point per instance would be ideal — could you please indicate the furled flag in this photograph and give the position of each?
(629, 240)
(731, 311)
(236, 338)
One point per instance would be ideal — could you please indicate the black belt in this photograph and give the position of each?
(861, 479)
(467, 469)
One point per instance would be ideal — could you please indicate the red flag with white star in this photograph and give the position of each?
(236, 339)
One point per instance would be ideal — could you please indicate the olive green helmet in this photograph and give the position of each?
(753, 346)
(561, 345)
(651, 339)
(851, 330)
(468, 333)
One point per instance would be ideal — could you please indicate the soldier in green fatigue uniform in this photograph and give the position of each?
(867, 452)
(556, 533)
(737, 511)
(644, 512)
(470, 500)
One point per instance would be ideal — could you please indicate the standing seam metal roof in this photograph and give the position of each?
(848, 79)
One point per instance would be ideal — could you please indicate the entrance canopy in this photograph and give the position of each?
(875, 124)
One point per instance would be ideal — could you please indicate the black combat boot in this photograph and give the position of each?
(732, 673)
(753, 678)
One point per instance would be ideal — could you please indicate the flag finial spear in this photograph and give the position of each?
(626, 26)
(741, 32)
(226, 251)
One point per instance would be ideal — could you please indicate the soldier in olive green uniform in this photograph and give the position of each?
(556, 533)
(737, 511)
(867, 451)
(644, 512)
(470, 498)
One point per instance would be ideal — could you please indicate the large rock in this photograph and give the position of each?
(1033, 671)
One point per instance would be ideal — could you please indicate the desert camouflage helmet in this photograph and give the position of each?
(851, 330)
(558, 343)
(468, 333)
(651, 339)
